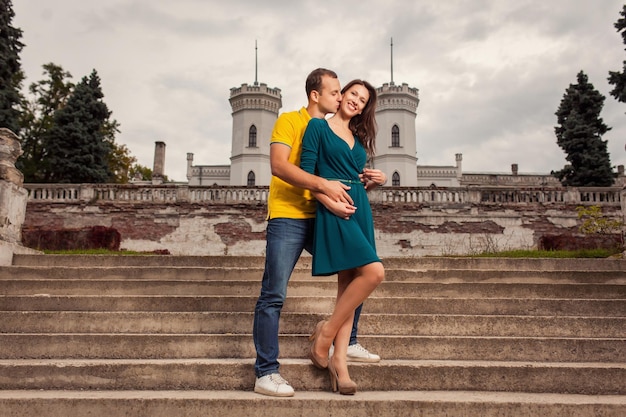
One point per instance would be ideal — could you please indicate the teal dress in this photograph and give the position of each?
(338, 244)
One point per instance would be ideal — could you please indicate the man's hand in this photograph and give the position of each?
(336, 191)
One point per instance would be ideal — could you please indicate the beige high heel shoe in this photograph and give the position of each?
(319, 362)
(346, 388)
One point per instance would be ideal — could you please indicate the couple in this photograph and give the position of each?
(317, 159)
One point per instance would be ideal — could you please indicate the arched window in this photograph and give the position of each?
(395, 179)
(395, 136)
(251, 179)
(252, 137)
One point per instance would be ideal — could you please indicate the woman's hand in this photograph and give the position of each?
(372, 178)
(338, 208)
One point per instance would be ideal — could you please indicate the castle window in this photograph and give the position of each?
(252, 137)
(395, 179)
(251, 179)
(395, 136)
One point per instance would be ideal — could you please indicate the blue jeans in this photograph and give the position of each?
(285, 241)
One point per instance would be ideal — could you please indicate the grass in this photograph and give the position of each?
(582, 253)
(93, 252)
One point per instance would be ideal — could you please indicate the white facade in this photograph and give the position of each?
(396, 139)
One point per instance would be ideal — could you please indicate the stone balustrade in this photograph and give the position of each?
(602, 196)
(168, 193)
(176, 193)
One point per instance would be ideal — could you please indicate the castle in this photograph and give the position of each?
(255, 108)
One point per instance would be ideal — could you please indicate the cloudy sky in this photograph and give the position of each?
(490, 73)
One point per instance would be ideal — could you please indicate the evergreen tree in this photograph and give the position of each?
(579, 134)
(616, 78)
(48, 96)
(11, 75)
(38, 117)
(77, 145)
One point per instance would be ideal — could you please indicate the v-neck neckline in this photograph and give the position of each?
(342, 139)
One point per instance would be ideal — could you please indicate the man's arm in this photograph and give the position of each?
(294, 175)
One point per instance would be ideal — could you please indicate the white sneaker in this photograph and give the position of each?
(274, 385)
(357, 353)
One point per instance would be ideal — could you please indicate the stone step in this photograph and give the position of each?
(225, 273)
(310, 287)
(144, 335)
(177, 346)
(302, 323)
(318, 304)
(235, 374)
(422, 263)
(388, 403)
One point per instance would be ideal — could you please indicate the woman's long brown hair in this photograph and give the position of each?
(364, 125)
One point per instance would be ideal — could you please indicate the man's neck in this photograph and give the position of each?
(315, 112)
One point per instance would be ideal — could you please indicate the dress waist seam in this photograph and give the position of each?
(345, 180)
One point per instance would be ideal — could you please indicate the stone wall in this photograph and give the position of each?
(13, 198)
(231, 221)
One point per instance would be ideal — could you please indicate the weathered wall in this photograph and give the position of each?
(402, 229)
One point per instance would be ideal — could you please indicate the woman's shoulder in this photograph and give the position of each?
(318, 122)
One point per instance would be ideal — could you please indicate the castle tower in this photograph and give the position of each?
(396, 138)
(255, 109)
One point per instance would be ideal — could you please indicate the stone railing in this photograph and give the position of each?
(167, 193)
(602, 196)
(176, 193)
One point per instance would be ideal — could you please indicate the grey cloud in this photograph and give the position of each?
(170, 66)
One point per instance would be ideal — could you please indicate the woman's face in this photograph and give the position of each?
(354, 100)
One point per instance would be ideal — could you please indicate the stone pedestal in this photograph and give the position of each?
(13, 198)
(12, 213)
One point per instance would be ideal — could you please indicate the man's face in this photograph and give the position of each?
(330, 96)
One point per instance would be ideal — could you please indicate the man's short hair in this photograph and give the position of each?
(314, 80)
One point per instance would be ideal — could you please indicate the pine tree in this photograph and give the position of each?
(616, 78)
(78, 148)
(47, 96)
(579, 134)
(11, 75)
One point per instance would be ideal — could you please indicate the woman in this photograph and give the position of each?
(337, 149)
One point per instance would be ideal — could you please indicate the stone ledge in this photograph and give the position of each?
(7, 250)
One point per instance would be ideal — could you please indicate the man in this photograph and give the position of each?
(291, 213)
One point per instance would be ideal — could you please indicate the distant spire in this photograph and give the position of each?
(391, 61)
(256, 64)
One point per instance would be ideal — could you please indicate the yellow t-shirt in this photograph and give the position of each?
(284, 199)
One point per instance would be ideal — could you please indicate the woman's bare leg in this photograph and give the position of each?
(359, 284)
(340, 355)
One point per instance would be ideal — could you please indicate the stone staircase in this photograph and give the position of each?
(171, 336)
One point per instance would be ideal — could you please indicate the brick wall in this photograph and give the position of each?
(402, 229)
